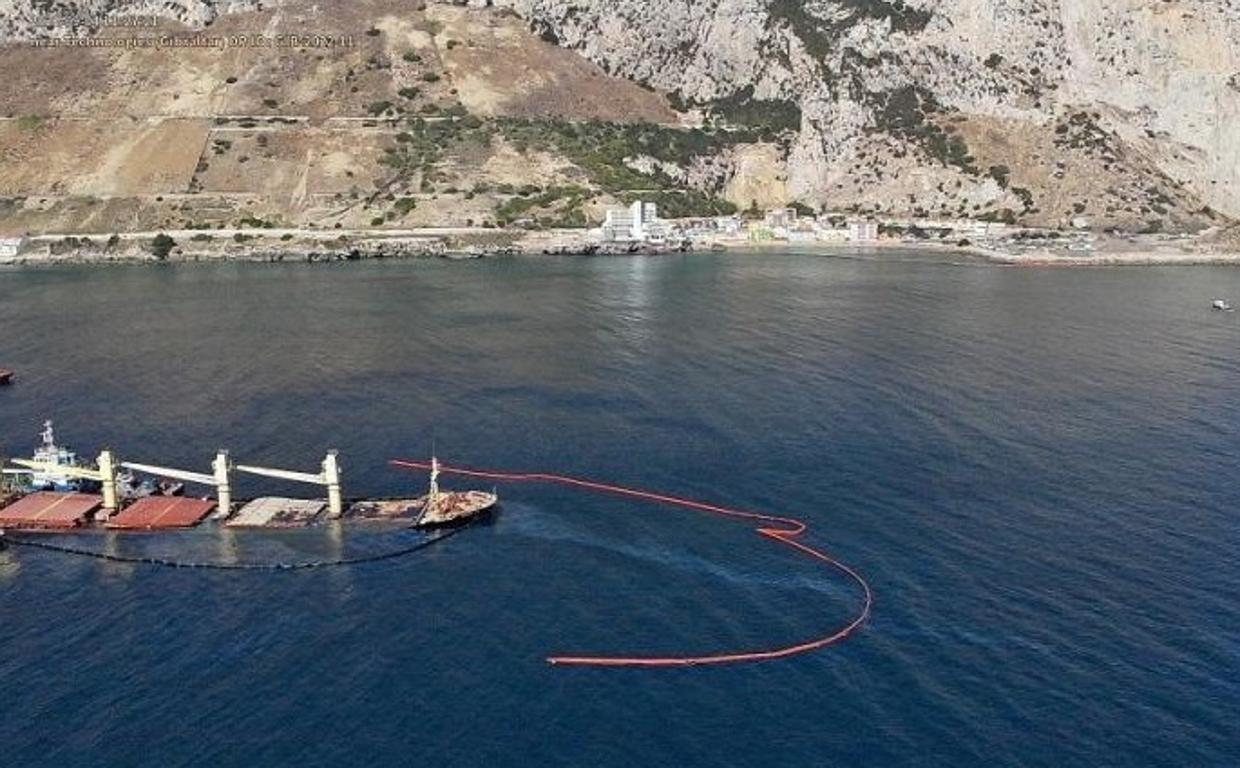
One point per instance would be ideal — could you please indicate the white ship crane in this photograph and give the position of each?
(329, 476)
(221, 467)
(105, 475)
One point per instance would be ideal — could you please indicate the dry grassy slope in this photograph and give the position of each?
(93, 139)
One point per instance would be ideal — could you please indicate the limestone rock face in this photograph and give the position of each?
(1159, 80)
(26, 19)
(1121, 112)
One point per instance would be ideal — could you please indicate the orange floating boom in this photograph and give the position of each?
(790, 529)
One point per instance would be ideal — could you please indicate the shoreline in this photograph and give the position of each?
(269, 246)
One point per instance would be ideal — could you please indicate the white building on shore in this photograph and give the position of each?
(780, 221)
(638, 223)
(729, 226)
(863, 231)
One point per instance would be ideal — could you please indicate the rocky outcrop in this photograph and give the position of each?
(880, 81)
(1107, 113)
(28, 19)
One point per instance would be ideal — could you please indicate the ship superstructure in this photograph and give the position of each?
(49, 453)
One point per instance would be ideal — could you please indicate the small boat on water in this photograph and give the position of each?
(6, 376)
(1220, 305)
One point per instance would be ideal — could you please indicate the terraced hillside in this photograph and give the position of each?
(434, 116)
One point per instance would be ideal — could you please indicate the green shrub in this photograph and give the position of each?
(161, 245)
(904, 113)
(769, 116)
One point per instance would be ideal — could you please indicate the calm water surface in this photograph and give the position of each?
(1036, 469)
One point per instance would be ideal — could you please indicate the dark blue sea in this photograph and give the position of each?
(1038, 470)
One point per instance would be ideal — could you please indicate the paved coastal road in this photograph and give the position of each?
(312, 234)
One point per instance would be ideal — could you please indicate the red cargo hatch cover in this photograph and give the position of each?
(162, 512)
(46, 509)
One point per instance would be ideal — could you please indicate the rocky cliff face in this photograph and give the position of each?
(1111, 113)
(26, 19)
(1119, 110)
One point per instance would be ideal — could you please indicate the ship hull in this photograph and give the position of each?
(454, 508)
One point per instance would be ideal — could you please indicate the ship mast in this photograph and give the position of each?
(49, 438)
(433, 494)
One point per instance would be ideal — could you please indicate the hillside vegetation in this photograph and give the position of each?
(542, 114)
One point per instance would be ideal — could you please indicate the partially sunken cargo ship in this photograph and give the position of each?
(53, 490)
(437, 509)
